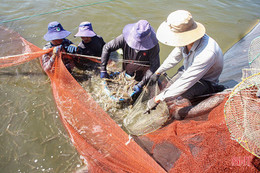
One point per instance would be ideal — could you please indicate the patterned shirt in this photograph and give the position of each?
(47, 62)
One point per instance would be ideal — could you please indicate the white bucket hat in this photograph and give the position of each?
(180, 29)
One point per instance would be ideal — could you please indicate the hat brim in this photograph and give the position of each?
(166, 36)
(145, 44)
(56, 35)
(86, 33)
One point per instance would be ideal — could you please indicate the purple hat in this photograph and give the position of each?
(55, 32)
(140, 35)
(85, 30)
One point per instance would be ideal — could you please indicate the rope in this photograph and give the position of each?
(26, 17)
(254, 59)
(99, 58)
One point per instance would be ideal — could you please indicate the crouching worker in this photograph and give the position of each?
(202, 64)
(139, 44)
(56, 36)
(91, 44)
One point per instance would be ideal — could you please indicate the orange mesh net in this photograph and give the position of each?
(96, 136)
(99, 140)
(196, 145)
(29, 50)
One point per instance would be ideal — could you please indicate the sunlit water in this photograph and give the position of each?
(32, 138)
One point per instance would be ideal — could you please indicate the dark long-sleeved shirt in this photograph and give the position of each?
(93, 48)
(144, 64)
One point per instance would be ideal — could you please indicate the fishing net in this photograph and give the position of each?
(202, 144)
(139, 123)
(13, 43)
(242, 108)
(254, 53)
(102, 144)
(242, 114)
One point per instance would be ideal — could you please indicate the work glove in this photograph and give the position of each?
(137, 90)
(103, 74)
(72, 48)
(114, 74)
(154, 78)
(151, 105)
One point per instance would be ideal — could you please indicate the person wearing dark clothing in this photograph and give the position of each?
(91, 44)
(56, 36)
(141, 49)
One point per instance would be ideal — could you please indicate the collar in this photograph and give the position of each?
(195, 45)
(193, 48)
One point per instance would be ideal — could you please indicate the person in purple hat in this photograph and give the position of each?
(139, 44)
(91, 44)
(56, 37)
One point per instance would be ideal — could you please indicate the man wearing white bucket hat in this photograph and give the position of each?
(202, 64)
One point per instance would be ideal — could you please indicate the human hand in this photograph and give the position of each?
(151, 105)
(56, 49)
(114, 74)
(103, 74)
(137, 90)
(72, 48)
(154, 78)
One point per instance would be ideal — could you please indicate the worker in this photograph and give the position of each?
(202, 59)
(56, 37)
(140, 45)
(91, 44)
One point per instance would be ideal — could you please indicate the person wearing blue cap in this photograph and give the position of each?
(91, 44)
(56, 37)
(140, 45)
